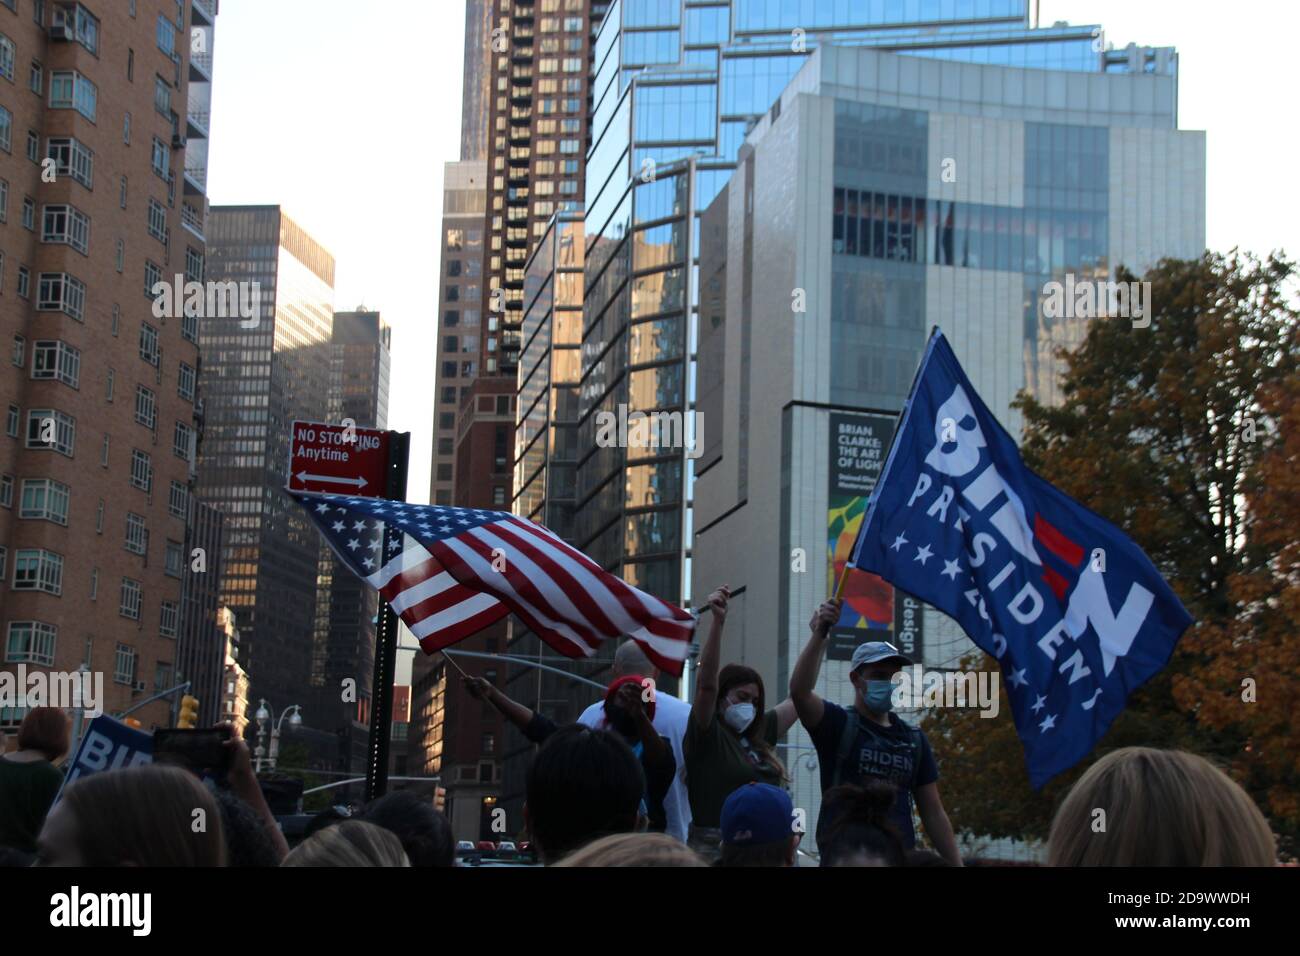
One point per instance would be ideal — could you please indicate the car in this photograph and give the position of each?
(464, 846)
(506, 847)
(485, 846)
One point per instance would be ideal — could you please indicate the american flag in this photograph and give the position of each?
(450, 572)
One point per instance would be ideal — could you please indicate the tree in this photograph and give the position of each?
(1183, 434)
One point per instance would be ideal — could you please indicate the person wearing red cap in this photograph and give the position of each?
(629, 713)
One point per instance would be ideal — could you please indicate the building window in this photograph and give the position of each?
(183, 441)
(157, 220)
(60, 292)
(36, 78)
(162, 96)
(38, 570)
(6, 491)
(29, 214)
(146, 408)
(126, 128)
(137, 535)
(75, 22)
(20, 351)
(178, 500)
(124, 659)
(44, 499)
(169, 619)
(66, 225)
(141, 470)
(174, 559)
(6, 130)
(56, 360)
(24, 283)
(30, 642)
(33, 146)
(50, 429)
(190, 328)
(15, 416)
(70, 90)
(129, 605)
(94, 584)
(193, 265)
(185, 379)
(152, 276)
(72, 158)
(4, 200)
(149, 343)
(166, 36)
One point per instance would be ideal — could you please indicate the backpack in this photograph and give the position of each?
(849, 736)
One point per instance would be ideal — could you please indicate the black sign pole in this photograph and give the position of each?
(381, 687)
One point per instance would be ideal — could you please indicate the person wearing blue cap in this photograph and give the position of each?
(758, 827)
(867, 740)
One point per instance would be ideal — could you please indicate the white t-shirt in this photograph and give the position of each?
(671, 716)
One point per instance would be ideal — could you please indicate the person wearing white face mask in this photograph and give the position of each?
(730, 738)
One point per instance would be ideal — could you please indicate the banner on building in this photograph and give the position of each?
(873, 609)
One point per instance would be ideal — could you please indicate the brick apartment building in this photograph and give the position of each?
(103, 124)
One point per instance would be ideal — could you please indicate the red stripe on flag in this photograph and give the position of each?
(463, 572)
(528, 590)
(448, 636)
(1057, 583)
(1057, 543)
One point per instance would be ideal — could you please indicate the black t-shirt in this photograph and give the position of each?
(659, 775)
(889, 753)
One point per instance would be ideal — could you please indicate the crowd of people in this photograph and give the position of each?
(642, 779)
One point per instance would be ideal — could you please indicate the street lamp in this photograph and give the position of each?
(263, 715)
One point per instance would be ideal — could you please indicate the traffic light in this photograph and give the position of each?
(189, 715)
(440, 799)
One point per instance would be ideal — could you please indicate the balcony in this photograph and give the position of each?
(206, 11)
(196, 180)
(194, 220)
(196, 124)
(201, 68)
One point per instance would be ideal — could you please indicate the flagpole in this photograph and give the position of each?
(703, 608)
(447, 657)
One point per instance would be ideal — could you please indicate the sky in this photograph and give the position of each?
(345, 112)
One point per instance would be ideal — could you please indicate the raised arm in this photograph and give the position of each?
(706, 680)
(803, 678)
(511, 710)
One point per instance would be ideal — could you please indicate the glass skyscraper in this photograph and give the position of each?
(677, 85)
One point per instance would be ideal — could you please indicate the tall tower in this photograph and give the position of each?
(259, 374)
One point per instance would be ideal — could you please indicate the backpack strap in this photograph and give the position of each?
(914, 734)
(848, 736)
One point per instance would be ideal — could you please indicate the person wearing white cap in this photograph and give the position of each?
(868, 740)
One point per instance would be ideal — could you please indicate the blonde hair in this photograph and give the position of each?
(350, 843)
(634, 849)
(1161, 808)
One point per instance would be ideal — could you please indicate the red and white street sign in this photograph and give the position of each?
(341, 459)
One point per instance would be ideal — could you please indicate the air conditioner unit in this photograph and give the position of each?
(178, 141)
(139, 686)
(62, 30)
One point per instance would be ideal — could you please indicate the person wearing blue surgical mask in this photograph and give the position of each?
(867, 740)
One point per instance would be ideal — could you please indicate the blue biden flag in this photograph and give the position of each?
(1076, 615)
